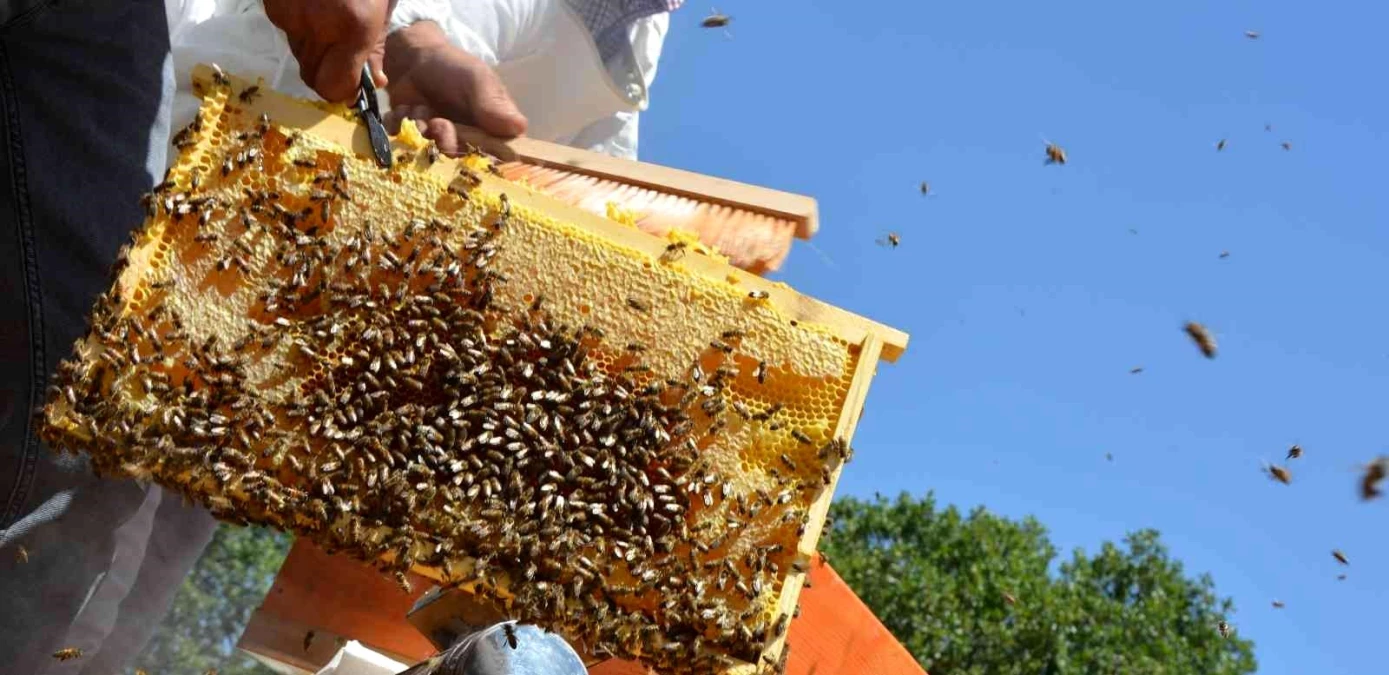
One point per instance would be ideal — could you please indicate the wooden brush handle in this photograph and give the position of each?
(799, 209)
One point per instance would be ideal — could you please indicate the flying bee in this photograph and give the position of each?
(1286, 145)
(1340, 577)
(1220, 145)
(1252, 34)
(1295, 451)
(891, 240)
(1008, 598)
(1280, 474)
(1224, 255)
(1340, 557)
(1202, 337)
(1135, 370)
(21, 554)
(68, 653)
(1278, 604)
(509, 629)
(1224, 629)
(716, 20)
(1055, 154)
(1374, 473)
(925, 188)
(250, 93)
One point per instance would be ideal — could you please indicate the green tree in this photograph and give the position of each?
(977, 595)
(214, 604)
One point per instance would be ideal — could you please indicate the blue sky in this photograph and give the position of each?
(1028, 299)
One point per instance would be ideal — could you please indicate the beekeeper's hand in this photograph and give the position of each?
(333, 39)
(428, 72)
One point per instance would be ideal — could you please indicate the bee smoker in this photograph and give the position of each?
(474, 638)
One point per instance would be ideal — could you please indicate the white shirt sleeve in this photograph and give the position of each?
(459, 33)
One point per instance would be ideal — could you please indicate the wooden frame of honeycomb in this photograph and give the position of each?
(616, 436)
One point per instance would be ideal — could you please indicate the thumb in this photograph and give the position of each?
(377, 60)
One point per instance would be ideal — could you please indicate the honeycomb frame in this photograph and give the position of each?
(326, 130)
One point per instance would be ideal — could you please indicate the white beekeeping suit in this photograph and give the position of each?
(541, 49)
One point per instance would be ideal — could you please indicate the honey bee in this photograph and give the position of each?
(761, 372)
(21, 554)
(1286, 145)
(1278, 604)
(1340, 577)
(220, 78)
(431, 153)
(1220, 145)
(1135, 370)
(892, 240)
(510, 630)
(1224, 255)
(1008, 598)
(1224, 629)
(758, 295)
(1055, 154)
(1202, 337)
(308, 639)
(1340, 557)
(250, 93)
(925, 188)
(639, 305)
(68, 653)
(1295, 451)
(1374, 473)
(1252, 34)
(716, 20)
(1280, 474)
(675, 251)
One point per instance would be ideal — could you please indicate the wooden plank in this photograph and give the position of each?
(837, 634)
(338, 597)
(350, 134)
(335, 596)
(799, 209)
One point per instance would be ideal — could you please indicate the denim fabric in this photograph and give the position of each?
(84, 92)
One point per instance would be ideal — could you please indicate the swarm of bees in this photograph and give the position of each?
(433, 428)
(1202, 337)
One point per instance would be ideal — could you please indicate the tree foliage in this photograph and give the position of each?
(215, 602)
(978, 595)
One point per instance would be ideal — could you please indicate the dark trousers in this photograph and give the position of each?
(85, 88)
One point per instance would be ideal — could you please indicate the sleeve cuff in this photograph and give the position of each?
(408, 12)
